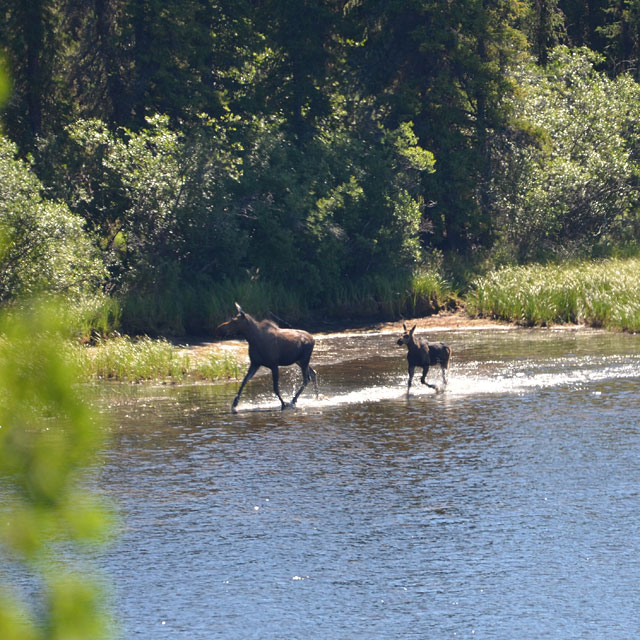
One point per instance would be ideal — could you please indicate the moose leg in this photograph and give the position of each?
(314, 377)
(306, 376)
(443, 369)
(275, 374)
(252, 370)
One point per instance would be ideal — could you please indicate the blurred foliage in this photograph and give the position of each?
(5, 83)
(49, 439)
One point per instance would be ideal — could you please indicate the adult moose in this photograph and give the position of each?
(271, 347)
(422, 353)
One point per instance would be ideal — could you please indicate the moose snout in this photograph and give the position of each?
(400, 342)
(222, 330)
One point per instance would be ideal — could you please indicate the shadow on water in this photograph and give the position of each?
(507, 506)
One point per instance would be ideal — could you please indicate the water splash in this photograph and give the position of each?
(473, 378)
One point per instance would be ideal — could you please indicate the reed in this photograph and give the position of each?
(197, 308)
(134, 360)
(604, 293)
(384, 298)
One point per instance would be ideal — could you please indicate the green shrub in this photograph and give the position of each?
(566, 182)
(43, 246)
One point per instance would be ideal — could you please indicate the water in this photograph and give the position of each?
(506, 507)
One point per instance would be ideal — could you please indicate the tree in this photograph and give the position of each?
(29, 32)
(622, 33)
(583, 19)
(546, 28)
(572, 185)
(43, 246)
(302, 41)
(443, 67)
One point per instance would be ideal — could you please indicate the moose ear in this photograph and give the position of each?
(239, 308)
(412, 329)
(404, 326)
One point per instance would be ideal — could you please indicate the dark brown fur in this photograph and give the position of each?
(422, 353)
(271, 347)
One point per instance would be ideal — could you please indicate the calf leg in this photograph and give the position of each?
(252, 370)
(425, 370)
(411, 372)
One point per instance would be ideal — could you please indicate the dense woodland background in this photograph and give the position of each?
(161, 158)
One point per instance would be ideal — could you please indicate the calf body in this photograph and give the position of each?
(422, 353)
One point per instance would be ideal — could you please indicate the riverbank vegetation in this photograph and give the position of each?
(603, 293)
(124, 359)
(315, 160)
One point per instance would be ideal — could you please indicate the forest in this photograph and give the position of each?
(312, 158)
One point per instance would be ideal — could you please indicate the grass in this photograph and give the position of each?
(383, 298)
(134, 360)
(197, 308)
(603, 293)
(94, 315)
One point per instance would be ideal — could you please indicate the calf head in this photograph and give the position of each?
(407, 336)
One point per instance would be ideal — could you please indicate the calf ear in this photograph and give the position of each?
(412, 329)
(239, 308)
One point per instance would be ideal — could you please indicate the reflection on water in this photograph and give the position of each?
(506, 507)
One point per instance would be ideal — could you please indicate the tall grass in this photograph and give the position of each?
(197, 308)
(133, 360)
(602, 293)
(386, 298)
(95, 315)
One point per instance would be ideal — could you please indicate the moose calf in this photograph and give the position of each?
(422, 353)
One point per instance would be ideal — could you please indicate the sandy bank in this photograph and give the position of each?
(446, 321)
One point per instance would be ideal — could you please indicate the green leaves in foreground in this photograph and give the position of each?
(603, 293)
(48, 438)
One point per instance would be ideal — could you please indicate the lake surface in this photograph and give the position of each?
(506, 507)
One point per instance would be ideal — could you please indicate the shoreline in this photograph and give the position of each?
(443, 321)
(206, 358)
(204, 346)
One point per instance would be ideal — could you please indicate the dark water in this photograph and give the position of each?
(506, 507)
